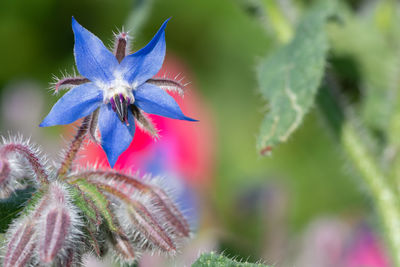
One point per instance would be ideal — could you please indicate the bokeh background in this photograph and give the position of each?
(301, 206)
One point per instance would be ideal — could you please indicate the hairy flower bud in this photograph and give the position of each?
(4, 170)
(58, 225)
(20, 162)
(11, 175)
(4, 173)
(146, 192)
(20, 243)
(147, 228)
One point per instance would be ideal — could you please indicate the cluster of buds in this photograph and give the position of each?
(77, 211)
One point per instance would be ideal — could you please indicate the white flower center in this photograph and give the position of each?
(119, 88)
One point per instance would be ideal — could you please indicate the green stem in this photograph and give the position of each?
(278, 20)
(335, 110)
(382, 193)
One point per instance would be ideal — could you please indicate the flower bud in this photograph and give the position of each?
(146, 227)
(149, 193)
(58, 225)
(121, 45)
(20, 162)
(11, 174)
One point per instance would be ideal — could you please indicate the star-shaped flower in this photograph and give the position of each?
(115, 89)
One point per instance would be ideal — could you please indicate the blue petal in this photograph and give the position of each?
(115, 135)
(93, 59)
(75, 104)
(142, 65)
(154, 100)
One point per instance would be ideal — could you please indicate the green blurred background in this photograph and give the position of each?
(251, 198)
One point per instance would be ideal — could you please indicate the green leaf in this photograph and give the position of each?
(290, 77)
(11, 207)
(81, 203)
(212, 259)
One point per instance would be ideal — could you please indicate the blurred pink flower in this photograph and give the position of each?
(365, 250)
(331, 242)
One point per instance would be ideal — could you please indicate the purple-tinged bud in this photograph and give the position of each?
(12, 173)
(20, 243)
(171, 212)
(121, 45)
(11, 176)
(24, 160)
(151, 193)
(141, 221)
(58, 227)
(151, 227)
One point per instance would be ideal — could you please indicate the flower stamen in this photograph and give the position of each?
(121, 107)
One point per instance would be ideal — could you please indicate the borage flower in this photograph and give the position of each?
(115, 89)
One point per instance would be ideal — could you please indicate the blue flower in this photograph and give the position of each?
(115, 89)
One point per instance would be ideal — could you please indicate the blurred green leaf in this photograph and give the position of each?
(10, 207)
(289, 78)
(212, 259)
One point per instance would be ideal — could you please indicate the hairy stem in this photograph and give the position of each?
(335, 110)
(74, 147)
(278, 20)
(383, 194)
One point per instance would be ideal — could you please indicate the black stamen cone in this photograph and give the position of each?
(121, 107)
